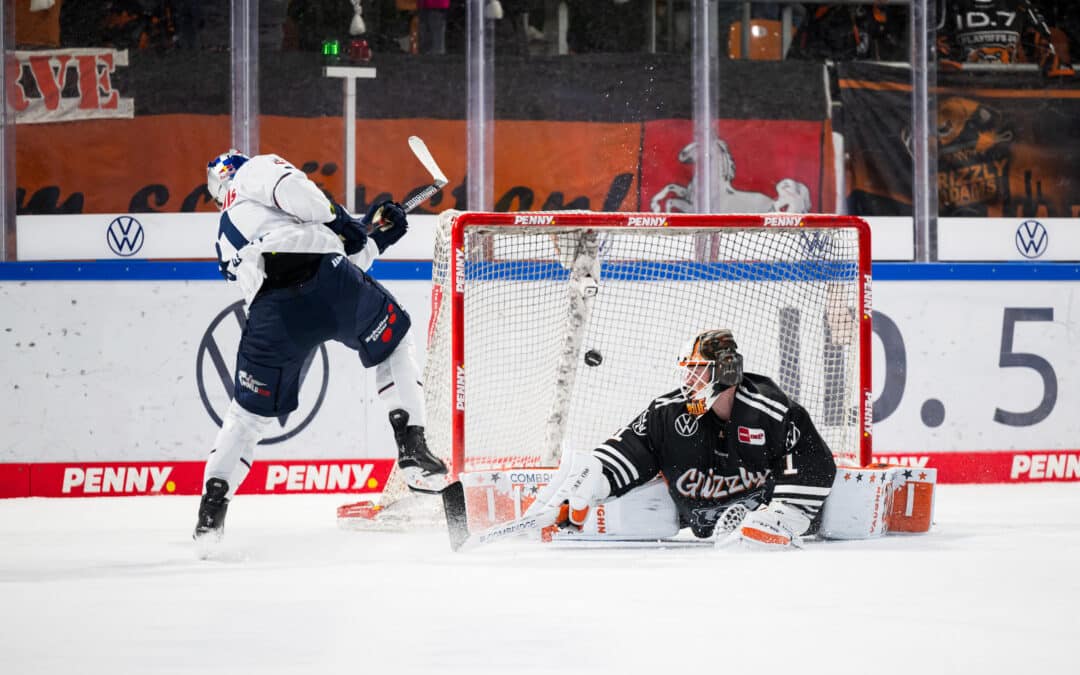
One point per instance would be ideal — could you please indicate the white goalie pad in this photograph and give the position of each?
(501, 496)
(645, 513)
(868, 502)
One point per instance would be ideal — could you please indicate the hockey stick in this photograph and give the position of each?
(420, 149)
(457, 523)
(422, 153)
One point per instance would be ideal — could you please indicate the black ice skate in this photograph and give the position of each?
(212, 508)
(422, 471)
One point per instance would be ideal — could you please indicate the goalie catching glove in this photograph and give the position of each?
(777, 526)
(578, 486)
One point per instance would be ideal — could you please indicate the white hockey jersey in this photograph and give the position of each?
(272, 207)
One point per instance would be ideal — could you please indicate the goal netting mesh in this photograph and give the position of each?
(551, 331)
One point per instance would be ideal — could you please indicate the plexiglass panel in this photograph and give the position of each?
(341, 77)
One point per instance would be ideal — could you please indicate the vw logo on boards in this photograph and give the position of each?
(216, 361)
(125, 236)
(1032, 239)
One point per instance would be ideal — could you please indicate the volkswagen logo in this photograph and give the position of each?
(125, 236)
(815, 244)
(1031, 239)
(214, 376)
(686, 425)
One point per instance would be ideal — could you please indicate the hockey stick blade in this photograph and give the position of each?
(420, 149)
(457, 523)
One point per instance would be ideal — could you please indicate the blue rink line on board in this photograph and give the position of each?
(160, 270)
(420, 270)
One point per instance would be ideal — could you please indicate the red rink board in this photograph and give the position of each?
(15, 480)
(105, 479)
(129, 479)
(1006, 466)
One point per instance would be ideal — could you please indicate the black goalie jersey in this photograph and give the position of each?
(769, 449)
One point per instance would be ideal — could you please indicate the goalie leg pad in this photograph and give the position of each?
(868, 502)
(644, 513)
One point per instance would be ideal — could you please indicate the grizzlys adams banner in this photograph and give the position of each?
(1008, 143)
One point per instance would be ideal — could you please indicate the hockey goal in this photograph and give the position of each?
(551, 331)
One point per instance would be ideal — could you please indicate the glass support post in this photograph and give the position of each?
(924, 131)
(7, 138)
(244, 58)
(704, 19)
(480, 108)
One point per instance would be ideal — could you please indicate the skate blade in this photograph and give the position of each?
(418, 481)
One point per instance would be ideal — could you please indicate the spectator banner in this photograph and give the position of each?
(538, 165)
(1008, 145)
(66, 85)
(586, 139)
(758, 166)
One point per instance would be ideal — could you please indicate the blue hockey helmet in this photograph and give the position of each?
(220, 171)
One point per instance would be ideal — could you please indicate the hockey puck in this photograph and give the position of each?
(593, 358)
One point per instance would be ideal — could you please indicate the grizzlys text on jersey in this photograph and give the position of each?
(768, 449)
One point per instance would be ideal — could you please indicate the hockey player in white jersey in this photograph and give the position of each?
(301, 262)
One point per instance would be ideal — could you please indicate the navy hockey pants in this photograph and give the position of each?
(284, 325)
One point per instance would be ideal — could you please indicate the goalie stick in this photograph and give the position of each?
(457, 522)
(420, 149)
(457, 525)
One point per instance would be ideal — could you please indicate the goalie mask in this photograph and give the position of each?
(709, 365)
(220, 172)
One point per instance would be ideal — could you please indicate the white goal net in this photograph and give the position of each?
(551, 331)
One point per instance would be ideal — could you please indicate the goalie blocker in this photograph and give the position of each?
(864, 503)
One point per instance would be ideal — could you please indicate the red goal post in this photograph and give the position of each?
(562, 326)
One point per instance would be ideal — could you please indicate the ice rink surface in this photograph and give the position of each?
(114, 586)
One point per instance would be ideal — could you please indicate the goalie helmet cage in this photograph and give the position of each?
(551, 331)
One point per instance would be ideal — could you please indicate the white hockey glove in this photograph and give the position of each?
(777, 526)
(578, 486)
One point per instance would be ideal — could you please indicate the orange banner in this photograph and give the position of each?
(157, 163)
